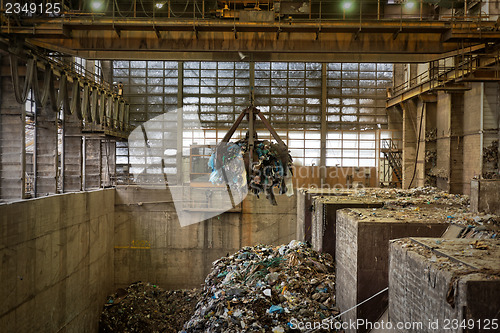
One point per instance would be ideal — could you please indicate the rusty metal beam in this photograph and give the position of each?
(369, 41)
(256, 56)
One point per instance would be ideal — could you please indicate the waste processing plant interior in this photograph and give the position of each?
(250, 166)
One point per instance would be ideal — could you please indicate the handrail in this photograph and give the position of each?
(312, 10)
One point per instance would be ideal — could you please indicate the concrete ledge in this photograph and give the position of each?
(437, 281)
(362, 254)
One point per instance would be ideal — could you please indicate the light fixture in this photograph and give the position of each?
(347, 5)
(410, 5)
(160, 5)
(97, 5)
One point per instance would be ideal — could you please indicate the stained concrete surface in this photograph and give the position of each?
(485, 196)
(324, 218)
(362, 254)
(150, 244)
(440, 280)
(56, 264)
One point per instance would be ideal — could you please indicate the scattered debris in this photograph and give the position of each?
(431, 157)
(145, 307)
(431, 134)
(491, 161)
(264, 288)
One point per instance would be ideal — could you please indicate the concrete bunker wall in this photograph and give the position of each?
(56, 262)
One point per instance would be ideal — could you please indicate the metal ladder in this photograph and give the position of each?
(393, 155)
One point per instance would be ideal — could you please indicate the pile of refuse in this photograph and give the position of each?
(265, 288)
(145, 307)
(417, 196)
(271, 167)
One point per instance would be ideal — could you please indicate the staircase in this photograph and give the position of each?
(394, 156)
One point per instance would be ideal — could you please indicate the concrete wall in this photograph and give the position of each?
(362, 257)
(150, 244)
(56, 264)
(434, 284)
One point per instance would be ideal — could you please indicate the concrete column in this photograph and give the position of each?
(46, 155)
(456, 143)
(108, 163)
(472, 125)
(443, 126)
(92, 160)
(12, 140)
(409, 142)
(72, 147)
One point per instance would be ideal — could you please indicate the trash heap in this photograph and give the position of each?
(145, 307)
(454, 207)
(415, 196)
(271, 167)
(265, 288)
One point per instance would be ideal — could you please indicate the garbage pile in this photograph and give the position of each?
(271, 167)
(432, 202)
(417, 196)
(145, 307)
(266, 288)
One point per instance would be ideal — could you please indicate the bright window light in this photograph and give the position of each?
(410, 5)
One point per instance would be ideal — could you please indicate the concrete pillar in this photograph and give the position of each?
(72, 154)
(46, 155)
(108, 163)
(443, 126)
(409, 142)
(12, 140)
(472, 141)
(92, 160)
(456, 143)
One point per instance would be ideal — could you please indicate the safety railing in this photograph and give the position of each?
(440, 73)
(316, 10)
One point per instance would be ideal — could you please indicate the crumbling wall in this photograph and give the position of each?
(57, 261)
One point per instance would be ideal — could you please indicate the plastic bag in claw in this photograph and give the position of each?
(157, 161)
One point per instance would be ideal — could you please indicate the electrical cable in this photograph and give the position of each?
(21, 96)
(183, 12)
(144, 10)
(118, 8)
